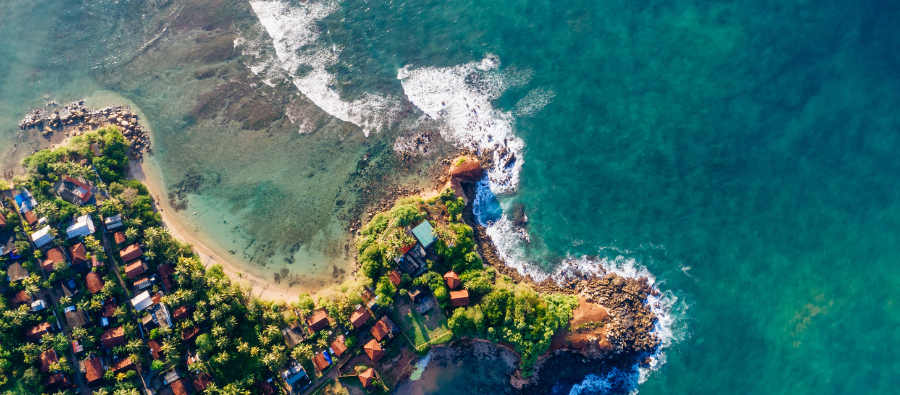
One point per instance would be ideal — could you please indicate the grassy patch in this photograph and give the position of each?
(420, 329)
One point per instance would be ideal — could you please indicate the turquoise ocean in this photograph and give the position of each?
(743, 153)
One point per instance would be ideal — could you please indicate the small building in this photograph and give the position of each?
(131, 252)
(76, 318)
(38, 305)
(25, 201)
(338, 347)
(155, 349)
(94, 282)
(182, 313)
(295, 378)
(359, 317)
(109, 309)
(374, 350)
(293, 335)
(181, 387)
(7, 242)
(78, 255)
(30, 218)
(201, 381)
(322, 360)
(424, 233)
(135, 268)
(166, 270)
(41, 237)
(384, 328)
(189, 334)
(367, 378)
(48, 358)
(142, 284)
(142, 301)
(119, 237)
(56, 382)
(2, 219)
(459, 298)
(417, 294)
(113, 337)
(73, 190)
(68, 287)
(38, 331)
(113, 222)
(20, 298)
(54, 255)
(412, 260)
(93, 371)
(318, 321)
(122, 366)
(395, 278)
(265, 387)
(16, 272)
(451, 279)
(81, 226)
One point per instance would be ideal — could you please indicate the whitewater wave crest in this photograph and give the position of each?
(304, 59)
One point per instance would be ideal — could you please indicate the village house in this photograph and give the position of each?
(338, 347)
(122, 366)
(53, 256)
(452, 279)
(384, 328)
(75, 191)
(181, 387)
(68, 287)
(80, 227)
(459, 298)
(19, 299)
(318, 321)
(25, 201)
(181, 313)
(16, 272)
(94, 282)
(412, 260)
(374, 350)
(113, 222)
(113, 337)
(367, 378)
(7, 242)
(155, 348)
(201, 381)
(166, 271)
(295, 378)
(48, 358)
(93, 371)
(78, 256)
(30, 218)
(359, 317)
(142, 301)
(293, 335)
(76, 318)
(41, 237)
(322, 361)
(130, 253)
(38, 331)
(119, 237)
(135, 268)
(56, 382)
(395, 278)
(189, 334)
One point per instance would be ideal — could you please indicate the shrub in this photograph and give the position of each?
(407, 214)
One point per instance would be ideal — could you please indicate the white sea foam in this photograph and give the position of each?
(303, 58)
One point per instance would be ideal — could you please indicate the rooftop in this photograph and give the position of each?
(93, 371)
(367, 377)
(359, 317)
(452, 279)
(94, 282)
(113, 337)
(318, 320)
(130, 253)
(374, 350)
(424, 233)
(383, 328)
(459, 298)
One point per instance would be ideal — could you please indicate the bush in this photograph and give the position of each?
(407, 214)
(478, 281)
(157, 365)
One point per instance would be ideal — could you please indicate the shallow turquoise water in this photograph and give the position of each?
(743, 151)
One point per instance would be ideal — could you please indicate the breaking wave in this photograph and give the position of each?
(301, 58)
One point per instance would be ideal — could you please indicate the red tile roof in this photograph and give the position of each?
(109, 309)
(338, 346)
(30, 217)
(459, 298)
(113, 337)
(395, 278)
(382, 328)
(87, 194)
(134, 269)
(93, 371)
(155, 348)
(119, 237)
(318, 321)
(374, 350)
(189, 333)
(359, 317)
(94, 283)
(265, 387)
(21, 297)
(181, 387)
(131, 252)
(406, 249)
(47, 358)
(166, 271)
(320, 361)
(78, 253)
(122, 366)
(55, 382)
(367, 377)
(181, 313)
(201, 381)
(36, 332)
(452, 279)
(2, 220)
(54, 255)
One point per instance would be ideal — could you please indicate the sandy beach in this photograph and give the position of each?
(261, 288)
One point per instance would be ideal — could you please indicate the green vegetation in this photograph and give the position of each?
(501, 310)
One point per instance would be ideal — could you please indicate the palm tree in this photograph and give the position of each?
(64, 301)
(131, 233)
(272, 330)
(133, 346)
(254, 351)
(95, 306)
(243, 347)
(167, 347)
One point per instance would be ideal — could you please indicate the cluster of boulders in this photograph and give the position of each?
(631, 320)
(75, 119)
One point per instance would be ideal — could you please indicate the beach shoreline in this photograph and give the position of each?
(143, 172)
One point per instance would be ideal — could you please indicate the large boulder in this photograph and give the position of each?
(468, 171)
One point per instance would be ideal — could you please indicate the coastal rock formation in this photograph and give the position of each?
(75, 118)
(466, 170)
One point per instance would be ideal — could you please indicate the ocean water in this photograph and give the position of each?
(743, 153)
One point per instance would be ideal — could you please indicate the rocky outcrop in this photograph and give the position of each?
(467, 170)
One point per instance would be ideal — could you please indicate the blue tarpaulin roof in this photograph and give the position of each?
(424, 233)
